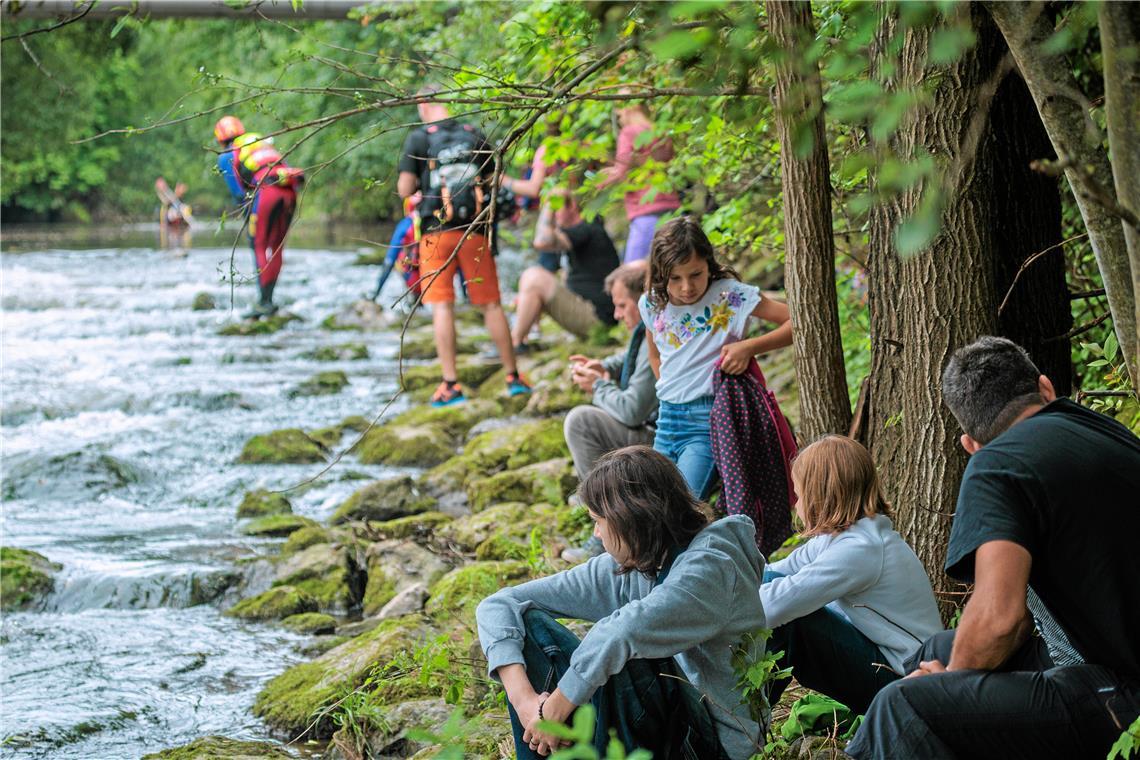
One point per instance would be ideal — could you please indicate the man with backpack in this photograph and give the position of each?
(452, 164)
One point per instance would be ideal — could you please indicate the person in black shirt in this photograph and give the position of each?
(1048, 501)
(581, 304)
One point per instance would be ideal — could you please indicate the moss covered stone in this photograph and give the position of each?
(405, 446)
(310, 622)
(289, 446)
(550, 481)
(263, 326)
(555, 398)
(453, 420)
(510, 521)
(292, 700)
(456, 595)
(413, 526)
(261, 502)
(383, 500)
(422, 346)
(321, 384)
(203, 301)
(276, 603)
(502, 547)
(396, 565)
(359, 315)
(303, 538)
(516, 446)
(472, 374)
(326, 573)
(221, 748)
(276, 526)
(25, 577)
(341, 352)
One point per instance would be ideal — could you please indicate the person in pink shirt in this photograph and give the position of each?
(642, 212)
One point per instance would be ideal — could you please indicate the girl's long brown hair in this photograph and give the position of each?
(838, 484)
(674, 243)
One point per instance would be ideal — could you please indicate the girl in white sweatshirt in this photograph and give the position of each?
(848, 607)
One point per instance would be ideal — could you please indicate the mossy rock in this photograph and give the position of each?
(405, 446)
(456, 595)
(373, 258)
(276, 526)
(310, 622)
(330, 437)
(501, 547)
(511, 520)
(275, 604)
(413, 526)
(422, 346)
(289, 446)
(360, 315)
(550, 481)
(516, 446)
(222, 748)
(263, 326)
(554, 398)
(260, 503)
(203, 301)
(472, 374)
(326, 573)
(292, 701)
(379, 591)
(446, 479)
(383, 500)
(454, 420)
(341, 352)
(25, 577)
(303, 538)
(321, 384)
(396, 565)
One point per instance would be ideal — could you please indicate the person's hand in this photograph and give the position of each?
(556, 709)
(526, 707)
(585, 377)
(587, 362)
(926, 667)
(734, 358)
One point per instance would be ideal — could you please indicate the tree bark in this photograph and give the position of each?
(1087, 168)
(926, 306)
(1120, 48)
(808, 235)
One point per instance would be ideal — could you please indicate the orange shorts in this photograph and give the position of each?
(474, 259)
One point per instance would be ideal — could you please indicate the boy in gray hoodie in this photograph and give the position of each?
(671, 599)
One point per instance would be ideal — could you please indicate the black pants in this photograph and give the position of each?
(1026, 709)
(648, 704)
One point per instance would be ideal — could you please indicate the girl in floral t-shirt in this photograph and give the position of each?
(696, 309)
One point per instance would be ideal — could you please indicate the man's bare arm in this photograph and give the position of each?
(996, 620)
(407, 184)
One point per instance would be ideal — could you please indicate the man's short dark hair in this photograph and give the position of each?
(631, 275)
(987, 384)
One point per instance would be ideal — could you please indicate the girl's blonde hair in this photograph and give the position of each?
(838, 484)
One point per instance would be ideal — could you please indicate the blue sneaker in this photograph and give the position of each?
(447, 396)
(516, 386)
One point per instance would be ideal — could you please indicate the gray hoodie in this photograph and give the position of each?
(696, 615)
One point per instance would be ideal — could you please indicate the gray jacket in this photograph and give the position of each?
(633, 406)
(696, 616)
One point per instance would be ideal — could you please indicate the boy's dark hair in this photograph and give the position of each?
(646, 503)
(987, 384)
(674, 243)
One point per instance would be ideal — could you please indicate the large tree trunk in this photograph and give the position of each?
(925, 306)
(1088, 171)
(809, 244)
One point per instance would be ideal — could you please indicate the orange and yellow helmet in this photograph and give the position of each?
(227, 128)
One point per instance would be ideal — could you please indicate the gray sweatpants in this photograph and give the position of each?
(591, 432)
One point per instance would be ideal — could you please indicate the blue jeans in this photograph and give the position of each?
(829, 654)
(647, 704)
(683, 436)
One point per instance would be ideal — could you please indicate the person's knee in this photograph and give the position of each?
(937, 647)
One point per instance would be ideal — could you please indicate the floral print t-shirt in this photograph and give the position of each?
(689, 338)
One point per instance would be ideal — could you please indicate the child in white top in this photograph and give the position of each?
(696, 310)
(848, 607)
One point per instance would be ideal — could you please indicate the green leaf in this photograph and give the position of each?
(917, 232)
(679, 44)
(1110, 347)
(948, 45)
(297, 5)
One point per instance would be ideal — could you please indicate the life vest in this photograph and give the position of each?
(455, 166)
(258, 162)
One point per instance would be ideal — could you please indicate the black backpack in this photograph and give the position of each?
(456, 154)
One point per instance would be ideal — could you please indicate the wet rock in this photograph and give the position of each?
(370, 258)
(208, 587)
(303, 538)
(392, 739)
(289, 446)
(260, 503)
(221, 748)
(551, 482)
(263, 326)
(509, 522)
(405, 446)
(455, 421)
(315, 623)
(419, 526)
(361, 315)
(471, 374)
(88, 470)
(321, 384)
(555, 398)
(26, 577)
(383, 500)
(293, 700)
(394, 566)
(324, 572)
(330, 437)
(341, 352)
(455, 596)
(203, 301)
(407, 602)
(422, 346)
(276, 526)
(275, 604)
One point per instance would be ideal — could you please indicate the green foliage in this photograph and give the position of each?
(755, 667)
(1128, 742)
(581, 736)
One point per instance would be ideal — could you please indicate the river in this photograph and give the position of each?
(123, 413)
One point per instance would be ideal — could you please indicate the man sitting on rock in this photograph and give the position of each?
(1048, 501)
(582, 304)
(623, 388)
